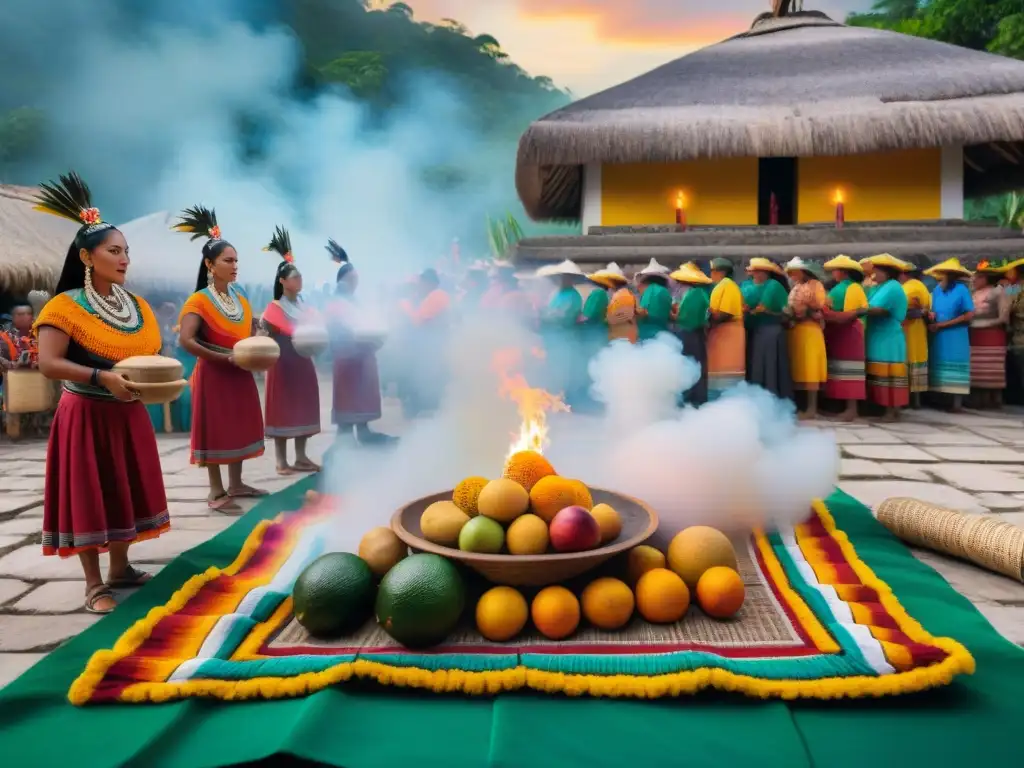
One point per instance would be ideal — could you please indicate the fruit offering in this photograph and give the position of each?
(555, 612)
(501, 614)
(333, 595)
(608, 603)
(483, 535)
(528, 535)
(382, 549)
(442, 523)
(642, 559)
(720, 592)
(503, 500)
(467, 493)
(574, 530)
(661, 596)
(420, 600)
(698, 548)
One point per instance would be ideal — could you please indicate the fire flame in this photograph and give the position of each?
(680, 201)
(533, 403)
(838, 198)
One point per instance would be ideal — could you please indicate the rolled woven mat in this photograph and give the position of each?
(981, 539)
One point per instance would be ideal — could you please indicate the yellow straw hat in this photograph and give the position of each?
(990, 268)
(610, 276)
(759, 264)
(844, 262)
(888, 260)
(949, 265)
(690, 273)
(1015, 264)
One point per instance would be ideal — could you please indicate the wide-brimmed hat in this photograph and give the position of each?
(952, 265)
(989, 268)
(609, 276)
(654, 268)
(761, 264)
(890, 261)
(844, 262)
(690, 273)
(1015, 264)
(566, 268)
(722, 263)
(796, 264)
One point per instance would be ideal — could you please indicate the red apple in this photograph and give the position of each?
(574, 529)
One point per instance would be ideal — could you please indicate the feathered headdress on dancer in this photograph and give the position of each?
(339, 256)
(281, 243)
(70, 198)
(200, 221)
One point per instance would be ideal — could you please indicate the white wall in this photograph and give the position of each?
(952, 183)
(591, 207)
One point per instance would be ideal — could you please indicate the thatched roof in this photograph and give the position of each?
(32, 244)
(794, 86)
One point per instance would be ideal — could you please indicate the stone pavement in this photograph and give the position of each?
(971, 461)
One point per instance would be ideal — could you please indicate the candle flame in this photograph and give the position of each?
(680, 201)
(533, 403)
(838, 197)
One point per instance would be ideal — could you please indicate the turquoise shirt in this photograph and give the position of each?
(658, 302)
(885, 340)
(565, 307)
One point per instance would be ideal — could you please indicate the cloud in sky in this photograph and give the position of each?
(588, 45)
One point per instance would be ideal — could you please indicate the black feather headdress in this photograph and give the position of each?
(338, 255)
(281, 243)
(199, 221)
(70, 198)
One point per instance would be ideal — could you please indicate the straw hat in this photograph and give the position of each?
(690, 273)
(565, 269)
(609, 276)
(949, 265)
(844, 262)
(721, 263)
(991, 269)
(760, 264)
(654, 268)
(796, 264)
(1017, 264)
(888, 260)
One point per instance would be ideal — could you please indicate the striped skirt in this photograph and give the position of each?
(846, 374)
(916, 333)
(727, 357)
(988, 358)
(888, 384)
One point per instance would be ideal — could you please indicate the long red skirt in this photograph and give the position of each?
(988, 358)
(356, 390)
(103, 478)
(293, 395)
(847, 374)
(227, 420)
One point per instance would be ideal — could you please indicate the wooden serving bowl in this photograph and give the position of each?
(159, 393)
(150, 369)
(639, 522)
(256, 353)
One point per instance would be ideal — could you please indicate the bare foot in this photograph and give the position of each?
(285, 471)
(305, 465)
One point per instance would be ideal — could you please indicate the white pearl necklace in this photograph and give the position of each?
(117, 310)
(226, 303)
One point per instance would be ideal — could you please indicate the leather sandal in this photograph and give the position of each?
(94, 595)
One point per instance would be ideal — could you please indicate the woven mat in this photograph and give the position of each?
(817, 624)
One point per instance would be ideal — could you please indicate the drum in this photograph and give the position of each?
(256, 353)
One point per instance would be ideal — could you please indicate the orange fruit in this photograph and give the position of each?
(583, 497)
(501, 614)
(662, 596)
(551, 495)
(698, 548)
(528, 535)
(608, 603)
(720, 592)
(642, 559)
(555, 612)
(608, 521)
(526, 468)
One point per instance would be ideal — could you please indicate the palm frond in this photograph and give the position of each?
(280, 243)
(199, 221)
(69, 198)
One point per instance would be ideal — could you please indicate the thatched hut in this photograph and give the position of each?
(771, 125)
(32, 245)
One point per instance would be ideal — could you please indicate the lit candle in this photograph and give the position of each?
(840, 209)
(680, 210)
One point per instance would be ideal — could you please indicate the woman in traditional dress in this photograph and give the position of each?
(949, 351)
(594, 317)
(292, 391)
(808, 362)
(987, 334)
(104, 486)
(888, 384)
(765, 302)
(227, 420)
(690, 317)
(915, 328)
(655, 310)
(1014, 392)
(356, 395)
(727, 338)
(560, 330)
(844, 336)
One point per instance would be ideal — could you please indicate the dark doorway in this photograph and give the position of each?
(776, 175)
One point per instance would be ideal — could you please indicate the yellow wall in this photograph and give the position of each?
(876, 187)
(717, 192)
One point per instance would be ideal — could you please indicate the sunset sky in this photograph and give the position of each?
(588, 45)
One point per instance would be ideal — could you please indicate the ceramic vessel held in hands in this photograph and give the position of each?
(256, 353)
(310, 340)
(156, 378)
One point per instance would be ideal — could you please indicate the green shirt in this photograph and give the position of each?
(564, 308)
(771, 297)
(595, 310)
(658, 302)
(693, 310)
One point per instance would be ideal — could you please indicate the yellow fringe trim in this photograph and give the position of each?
(96, 669)
(94, 335)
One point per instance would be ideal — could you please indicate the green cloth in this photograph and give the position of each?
(693, 310)
(564, 308)
(837, 296)
(751, 292)
(658, 302)
(360, 726)
(595, 309)
(771, 297)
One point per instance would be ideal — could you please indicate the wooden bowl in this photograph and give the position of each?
(159, 393)
(310, 340)
(150, 369)
(639, 522)
(256, 353)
